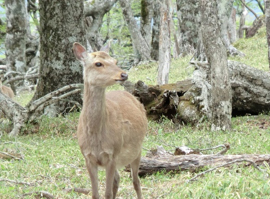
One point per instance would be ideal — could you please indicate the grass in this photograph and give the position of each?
(52, 160)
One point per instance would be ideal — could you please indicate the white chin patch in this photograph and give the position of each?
(118, 81)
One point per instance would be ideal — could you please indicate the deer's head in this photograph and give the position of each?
(100, 69)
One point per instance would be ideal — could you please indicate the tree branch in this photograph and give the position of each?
(18, 182)
(79, 190)
(249, 8)
(223, 165)
(35, 104)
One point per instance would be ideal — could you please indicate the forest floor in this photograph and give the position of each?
(49, 161)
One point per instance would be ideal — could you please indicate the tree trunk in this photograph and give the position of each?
(267, 21)
(61, 24)
(220, 93)
(164, 45)
(146, 18)
(257, 24)
(187, 101)
(15, 42)
(224, 13)
(155, 31)
(242, 21)
(94, 13)
(188, 16)
(139, 43)
(232, 26)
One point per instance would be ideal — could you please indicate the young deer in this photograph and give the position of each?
(6, 90)
(111, 126)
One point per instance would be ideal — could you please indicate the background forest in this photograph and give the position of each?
(171, 47)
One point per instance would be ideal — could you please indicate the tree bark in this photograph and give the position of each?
(224, 12)
(194, 162)
(242, 21)
(139, 43)
(61, 24)
(267, 22)
(15, 42)
(220, 93)
(257, 24)
(232, 26)
(188, 15)
(164, 45)
(146, 18)
(155, 31)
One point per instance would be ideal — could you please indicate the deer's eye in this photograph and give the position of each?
(98, 64)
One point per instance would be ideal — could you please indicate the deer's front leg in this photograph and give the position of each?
(93, 172)
(110, 172)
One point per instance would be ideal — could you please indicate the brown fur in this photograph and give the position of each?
(111, 126)
(6, 90)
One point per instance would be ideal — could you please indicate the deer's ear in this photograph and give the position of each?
(79, 51)
(105, 49)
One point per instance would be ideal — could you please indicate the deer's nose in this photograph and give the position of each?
(124, 76)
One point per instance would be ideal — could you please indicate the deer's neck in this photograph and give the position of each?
(94, 108)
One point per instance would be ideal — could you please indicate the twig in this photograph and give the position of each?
(79, 190)
(226, 164)
(18, 182)
(32, 76)
(43, 194)
(225, 146)
(9, 155)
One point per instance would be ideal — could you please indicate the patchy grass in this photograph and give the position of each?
(52, 162)
(255, 50)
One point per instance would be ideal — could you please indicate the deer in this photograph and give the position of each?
(112, 125)
(7, 91)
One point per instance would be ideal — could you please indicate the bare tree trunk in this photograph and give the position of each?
(155, 31)
(232, 26)
(224, 13)
(242, 21)
(220, 97)
(15, 42)
(139, 43)
(61, 24)
(267, 20)
(188, 17)
(94, 13)
(164, 44)
(146, 17)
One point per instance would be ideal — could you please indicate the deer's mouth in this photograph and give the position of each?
(120, 80)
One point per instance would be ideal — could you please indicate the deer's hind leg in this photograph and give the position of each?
(115, 183)
(135, 178)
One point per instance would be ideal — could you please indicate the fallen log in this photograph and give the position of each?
(194, 162)
(187, 101)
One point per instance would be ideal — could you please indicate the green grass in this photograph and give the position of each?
(255, 50)
(52, 160)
